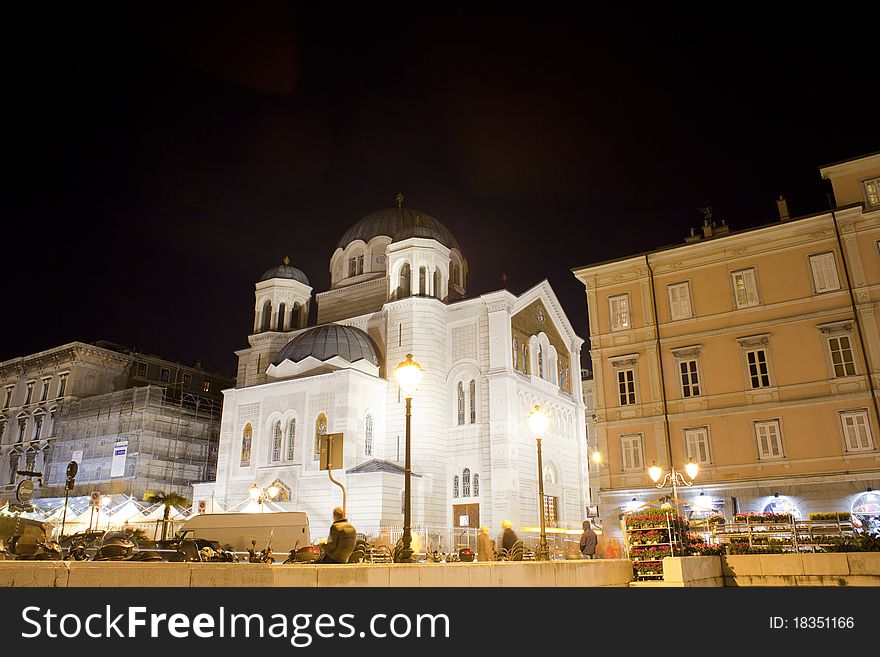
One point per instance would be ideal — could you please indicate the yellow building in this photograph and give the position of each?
(747, 352)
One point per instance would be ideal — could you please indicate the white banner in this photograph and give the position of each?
(77, 456)
(117, 467)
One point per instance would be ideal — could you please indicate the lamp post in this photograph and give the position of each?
(538, 424)
(674, 477)
(260, 496)
(408, 374)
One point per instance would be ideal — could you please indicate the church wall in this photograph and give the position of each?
(352, 300)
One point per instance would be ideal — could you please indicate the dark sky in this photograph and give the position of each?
(160, 157)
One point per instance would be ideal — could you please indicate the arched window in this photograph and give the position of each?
(360, 268)
(437, 283)
(549, 473)
(30, 459)
(38, 424)
(13, 465)
(473, 401)
(460, 403)
(352, 267)
(320, 430)
(466, 483)
(525, 358)
(282, 309)
(405, 288)
(53, 414)
(423, 281)
(540, 361)
(22, 427)
(291, 438)
(266, 322)
(276, 441)
(368, 436)
(476, 485)
(455, 486)
(246, 439)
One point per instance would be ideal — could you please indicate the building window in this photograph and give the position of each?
(455, 486)
(320, 430)
(460, 403)
(466, 483)
(618, 308)
(626, 386)
(276, 441)
(824, 268)
(29, 395)
(8, 400)
(631, 449)
(360, 268)
(142, 369)
(697, 442)
(690, 379)
(206, 386)
(769, 440)
(291, 439)
(165, 375)
(857, 431)
(841, 356)
(473, 401)
(551, 510)
(38, 425)
(476, 485)
(44, 393)
(368, 436)
(62, 384)
(352, 267)
(872, 191)
(759, 374)
(187, 381)
(745, 289)
(680, 300)
(540, 362)
(22, 427)
(247, 436)
(423, 281)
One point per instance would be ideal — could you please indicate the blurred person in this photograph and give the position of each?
(485, 552)
(340, 542)
(509, 537)
(588, 541)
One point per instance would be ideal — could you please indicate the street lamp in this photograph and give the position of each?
(260, 496)
(538, 425)
(408, 374)
(674, 477)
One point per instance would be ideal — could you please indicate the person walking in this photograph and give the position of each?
(509, 537)
(588, 541)
(340, 543)
(484, 546)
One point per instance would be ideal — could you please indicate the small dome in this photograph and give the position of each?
(399, 224)
(324, 342)
(285, 270)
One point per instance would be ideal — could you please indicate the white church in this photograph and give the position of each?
(398, 287)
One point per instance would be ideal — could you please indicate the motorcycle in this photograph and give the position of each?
(263, 556)
(220, 555)
(33, 548)
(306, 554)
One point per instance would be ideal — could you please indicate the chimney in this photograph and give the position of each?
(707, 228)
(782, 206)
(693, 237)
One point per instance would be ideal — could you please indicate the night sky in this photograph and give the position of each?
(160, 157)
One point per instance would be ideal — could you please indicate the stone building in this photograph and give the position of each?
(754, 353)
(398, 287)
(132, 421)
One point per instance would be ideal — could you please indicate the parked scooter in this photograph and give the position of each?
(263, 556)
(305, 554)
(33, 548)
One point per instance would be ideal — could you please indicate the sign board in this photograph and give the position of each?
(593, 511)
(117, 466)
(463, 521)
(25, 491)
(77, 456)
(95, 498)
(335, 447)
(203, 505)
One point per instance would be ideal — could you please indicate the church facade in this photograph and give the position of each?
(398, 287)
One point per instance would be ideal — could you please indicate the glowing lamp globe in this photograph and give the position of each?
(538, 422)
(597, 456)
(408, 374)
(654, 472)
(273, 491)
(692, 469)
(255, 492)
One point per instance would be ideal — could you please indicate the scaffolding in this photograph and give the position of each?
(171, 435)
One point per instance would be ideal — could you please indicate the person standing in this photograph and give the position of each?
(509, 537)
(484, 545)
(340, 543)
(588, 541)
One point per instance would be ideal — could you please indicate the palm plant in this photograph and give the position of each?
(169, 500)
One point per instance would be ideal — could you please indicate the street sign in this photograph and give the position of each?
(95, 498)
(203, 505)
(25, 491)
(335, 446)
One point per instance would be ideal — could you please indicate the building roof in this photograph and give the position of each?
(399, 224)
(378, 465)
(329, 340)
(285, 270)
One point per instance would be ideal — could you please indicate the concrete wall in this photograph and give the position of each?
(611, 572)
(834, 569)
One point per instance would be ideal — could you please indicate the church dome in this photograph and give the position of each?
(324, 342)
(399, 224)
(285, 270)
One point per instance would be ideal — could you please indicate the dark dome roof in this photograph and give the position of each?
(399, 224)
(285, 270)
(325, 342)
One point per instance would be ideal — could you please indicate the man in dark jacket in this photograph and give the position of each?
(588, 541)
(509, 537)
(340, 543)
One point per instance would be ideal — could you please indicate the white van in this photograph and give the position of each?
(287, 530)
